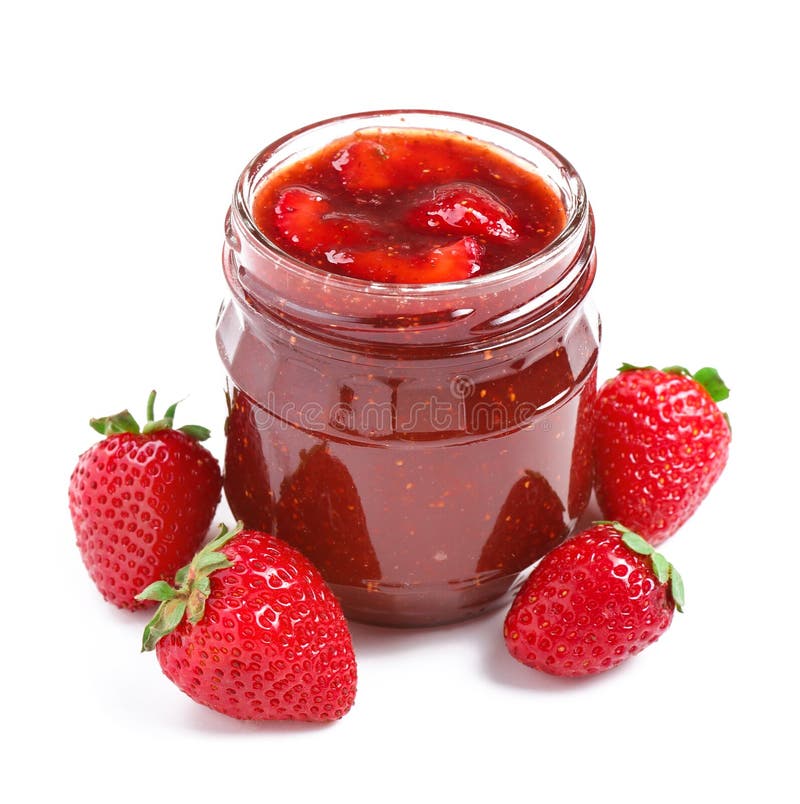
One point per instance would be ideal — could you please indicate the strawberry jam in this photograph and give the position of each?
(412, 357)
(394, 206)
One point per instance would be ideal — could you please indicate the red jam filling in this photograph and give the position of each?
(408, 207)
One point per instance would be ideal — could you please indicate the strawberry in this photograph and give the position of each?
(252, 631)
(370, 166)
(447, 263)
(142, 501)
(465, 208)
(660, 444)
(592, 602)
(365, 167)
(306, 219)
(247, 483)
(530, 523)
(320, 513)
(581, 472)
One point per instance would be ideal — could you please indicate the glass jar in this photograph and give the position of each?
(423, 445)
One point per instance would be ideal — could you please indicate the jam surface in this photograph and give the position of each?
(408, 206)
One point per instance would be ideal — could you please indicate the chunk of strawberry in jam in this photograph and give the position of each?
(465, 209)
(459, 260)
(448, 263)
(298, 213)
(393, 165)
(305, 218)
(365, 167)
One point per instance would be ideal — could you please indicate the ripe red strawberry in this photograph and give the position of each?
(306, 219)
(660, 443)
(592, 602)
(465, 208)
(246, 481)
(142, 501)
(530, 523)
(581, 473)
(448, 263)
(320, 513)
(253, 632)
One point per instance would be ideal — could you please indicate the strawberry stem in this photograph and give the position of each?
(151, 403)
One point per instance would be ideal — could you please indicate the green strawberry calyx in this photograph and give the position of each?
(192, 587)
(123, 422)
(662, 569)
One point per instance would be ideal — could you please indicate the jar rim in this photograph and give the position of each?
(570, 186)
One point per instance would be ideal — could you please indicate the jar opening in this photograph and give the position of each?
(276, 289)
(530, 153)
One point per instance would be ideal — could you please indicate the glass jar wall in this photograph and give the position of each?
(423, 445)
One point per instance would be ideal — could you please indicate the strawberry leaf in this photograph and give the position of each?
(121, 422)
(710, 380)
(660, 567)
(636, 542)
(181, 575)
(676, 588)
(160, 590)
(170, 412)
(682, 370)
(204, 562)
(196, 431)
(631, 367)
(166, 619)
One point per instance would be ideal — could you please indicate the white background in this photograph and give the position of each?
(125, 127)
